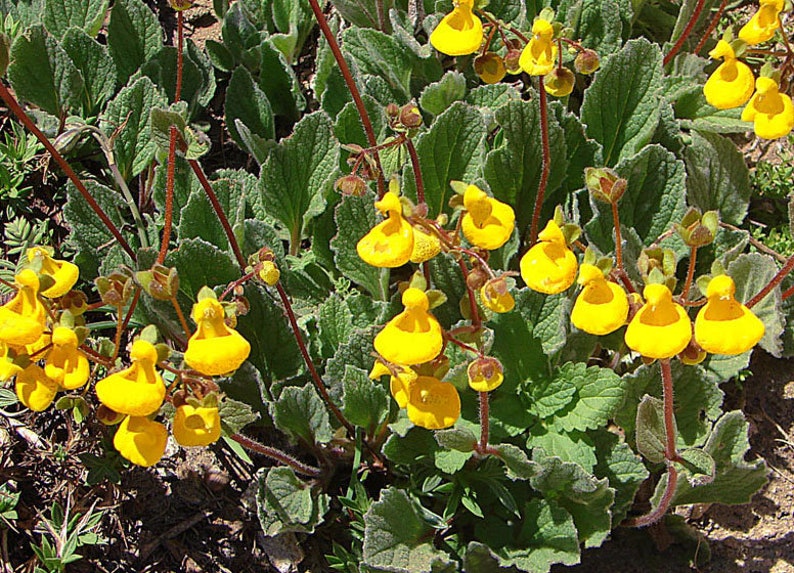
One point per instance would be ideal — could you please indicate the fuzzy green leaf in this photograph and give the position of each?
(575, 447)
(95, 65)
(382, 55)
(87, 15)
(417, 446)
(365, 402)
(599, 391)
(438, 96)
(460, 439)
(622, 467)
(651, 433)
(621, 107)
(279, 84)
(287, 503)
(597, 24)
(134, 36)
(699, 466)
(198, 77)
(248, 105)
(356, 351)
(301, 414)
(517, 463)
(335, 323)
(216, 267)
(235, 415)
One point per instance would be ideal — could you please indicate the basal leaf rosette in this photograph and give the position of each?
(724, 325)
(215, 348)
(460, 32)
(661, 328)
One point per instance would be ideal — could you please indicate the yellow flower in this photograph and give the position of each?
(63, 273)
(138, 390)
(490, 67)
(487, 223)
(413, 336)
(459, 32)
(269, 273)
(496, 296)
(549, 266)
(65, 364)
(540, 54)
(763, 24)
(661, 328)
(770, 111)
(485, 374)
(731, 84)
(602, 306)
(399, 385)
(433, 404)
(140, 440)
(426, 246)
(34, 389)
(724, 325)
(214, 348)
(7, 367)
(196, 425)
(559, 82)
(390, 243)
(22, 319)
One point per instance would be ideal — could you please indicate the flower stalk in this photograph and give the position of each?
(546, 165)
(169, 195)
(276, 454)
(685, 34)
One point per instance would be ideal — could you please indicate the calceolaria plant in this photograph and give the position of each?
(487, 288)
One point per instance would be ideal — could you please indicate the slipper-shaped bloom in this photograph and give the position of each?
(412, 337)
(23, 318)
(761, 27)
(426, 246)
(602, 306)
(559, 82)
(214, 348)
(731, 84)
(549, 266)
(487, 222)
(399, 385)
(661, 328)
(390, 243)
(495, 296)
(34, 389)
(485, 374)
(460, 32)
(65, 363)
(724, 325)
(63, 273)
(137, 390)
(540, 55)
(140, 440)
(433, 404)
(490, 67)
(771, 112)
(7, 367)
(196, 425)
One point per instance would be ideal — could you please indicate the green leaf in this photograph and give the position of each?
(365, 402)
(381, 55)
(575, 447)
(450, 150)
(448, 278)
(597, 24)
(517, 463)
(397, 538)
(279, 84)
(717, 177)
(246, 104)
(335, 324)
(751, 272)
(621, 107)
(699, 465)
(417, 446)
(460, 439)
(490, 97)
(651, 433)
(735, 480)
(287, 503)
(355, 216)
(134, 36)
(356, 352)
(301, 414)
(365, 14)
(297, 175)
(654, 198)
(96, 66)
(513, 169)
(216, 267)
(551, 395)
(128, 113)
(622, 467)
(236, 415)
(42, 73)
(451, 462)
(518, 349)
(438, 96)
(87, 15)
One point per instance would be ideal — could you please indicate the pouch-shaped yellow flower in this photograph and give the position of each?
(7, 367)
(400, 385)
(460, 32)
(196, 425)
(433, 404)
(214, 348)
(140, 440)
(412, 337)
(724, 325)
(485, 374)
(731, 84)
(137, 390)
(539, 56)
(34, 389)
(426, 246)
(487, 222)
(549, 266)
(63, 273)
(661, 328)
(771, 112)
(490, 67)
(23, 318)
(65, 364)
(761, 27)
(602, 306)
(496, 296)
(559, 82)
(390, 243)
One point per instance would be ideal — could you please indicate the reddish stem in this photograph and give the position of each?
(710, 28)
(618, 238)
(420, 186)
(787, 293)
(546, 166)
(685, 34)
(776, 280)
(475, 313)
(179, 34)
(690, 274)
(277, 455)
(14, 106)
(484, 422)
(227, 228)
(169, 194)
(351, 85)
(179, 314)
(664, 503)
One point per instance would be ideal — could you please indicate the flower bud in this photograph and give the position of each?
(116, 288)
(698, 230)
(476, 279)
(180, 5)
(351, 185)
(392, 111)
(490, 67)
(511, 61)
(586, 62)
(485, 374)
(604, 184)
(410, 116)
(269, 273)
(159, 282)
(559, 82)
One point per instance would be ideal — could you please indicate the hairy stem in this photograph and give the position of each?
(710, 28)
(23, 117)
(475, 313)
(618, 238)
(664, 503)
(179, 42)
(776, 280)
(277, 455)
(179, 314)
(169, 195)
(484, 422)
(546, 166)
(685, 34)
(690, 273)
(420, 185)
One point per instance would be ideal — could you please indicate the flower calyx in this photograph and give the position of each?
(696, 229)
(159, 282)
(658, 265)
(116, 289)
(604, 184)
